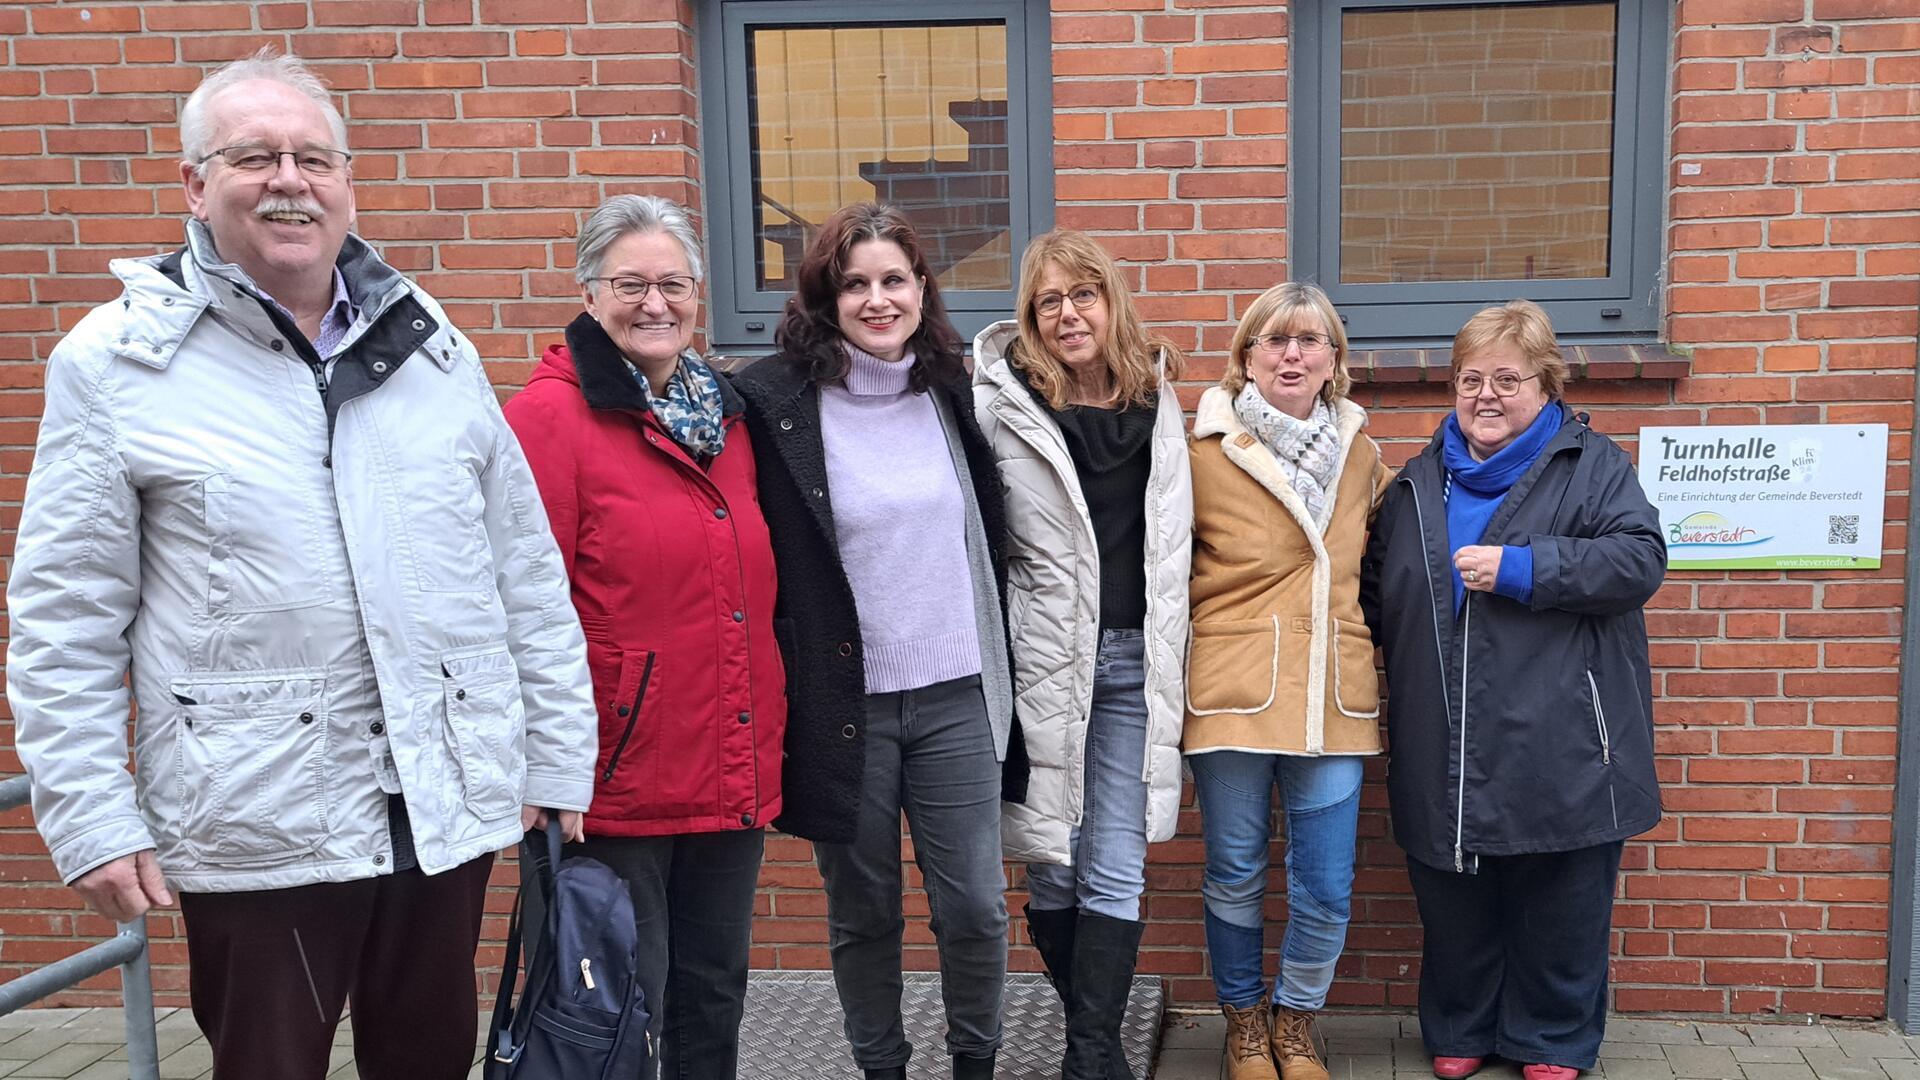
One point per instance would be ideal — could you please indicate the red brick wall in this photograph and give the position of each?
(485, 127)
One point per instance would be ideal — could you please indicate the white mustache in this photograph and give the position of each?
(280, 204)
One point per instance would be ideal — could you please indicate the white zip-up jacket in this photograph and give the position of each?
(1053, 604)
(299, 613)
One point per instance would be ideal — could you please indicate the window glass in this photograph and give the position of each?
(1476, 143)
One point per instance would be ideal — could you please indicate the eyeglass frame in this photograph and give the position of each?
(647, 286)
(345, 156)
(1061, 300)
(1492, 381)
(1259, 342)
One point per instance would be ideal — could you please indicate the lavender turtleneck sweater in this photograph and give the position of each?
(901, 526)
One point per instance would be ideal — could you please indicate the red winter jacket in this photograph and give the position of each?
(672, 574)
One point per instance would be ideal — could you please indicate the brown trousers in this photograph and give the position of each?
(273, 970)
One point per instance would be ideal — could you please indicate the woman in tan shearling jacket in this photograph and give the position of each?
(1281, 688)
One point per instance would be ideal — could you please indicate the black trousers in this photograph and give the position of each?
(1515, 956)
(693, 908)
(272, 971)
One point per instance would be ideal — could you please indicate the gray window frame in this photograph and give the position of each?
(742, 316)
(1623, 307)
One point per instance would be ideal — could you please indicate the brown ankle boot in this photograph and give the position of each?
(1249, 1030)
(1297, 1046)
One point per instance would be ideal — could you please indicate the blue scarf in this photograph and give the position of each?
(1475, 489)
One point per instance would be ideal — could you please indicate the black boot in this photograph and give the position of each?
(1052, 934)
(895, 1072)
(1104, 952)
(972, 1068)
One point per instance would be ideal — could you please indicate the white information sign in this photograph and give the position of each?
(1771, 497)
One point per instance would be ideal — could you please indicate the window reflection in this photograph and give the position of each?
(915, 116)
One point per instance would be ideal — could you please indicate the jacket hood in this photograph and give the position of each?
(990, 348)
(992, 363)
(1215, 416)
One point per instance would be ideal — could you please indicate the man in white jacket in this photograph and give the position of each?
(274, 492)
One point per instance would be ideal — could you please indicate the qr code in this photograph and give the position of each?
(1843, 529)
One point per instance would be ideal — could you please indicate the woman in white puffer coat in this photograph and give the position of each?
(1078, 405)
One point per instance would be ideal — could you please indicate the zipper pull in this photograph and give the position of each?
(586, 971)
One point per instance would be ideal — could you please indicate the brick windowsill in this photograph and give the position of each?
(1584, 362)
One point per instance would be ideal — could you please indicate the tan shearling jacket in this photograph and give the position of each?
(1281, 661)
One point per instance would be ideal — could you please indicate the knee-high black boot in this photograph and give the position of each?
(1052, 933)
(1104, 953)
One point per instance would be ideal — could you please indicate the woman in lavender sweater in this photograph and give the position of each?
(884, 504)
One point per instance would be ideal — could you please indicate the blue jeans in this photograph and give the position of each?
(1109, 869)
(1322, 800)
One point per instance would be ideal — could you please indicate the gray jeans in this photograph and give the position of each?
(929, 753)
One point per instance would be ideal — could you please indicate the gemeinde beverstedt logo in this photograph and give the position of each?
(1709, 529)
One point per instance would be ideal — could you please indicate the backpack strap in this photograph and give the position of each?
(508, 1031)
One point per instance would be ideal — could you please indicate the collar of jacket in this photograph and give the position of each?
(372, 285)
(606, 379)
(158, 309)
(1214, 416)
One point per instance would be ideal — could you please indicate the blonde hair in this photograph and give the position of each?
(1288, 307)
(1129, 350)
(1523, 325)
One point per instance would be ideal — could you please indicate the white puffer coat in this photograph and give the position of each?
(295, 609)
(1053, 602)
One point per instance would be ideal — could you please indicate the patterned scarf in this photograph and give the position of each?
(690, 410)
(1308, 450)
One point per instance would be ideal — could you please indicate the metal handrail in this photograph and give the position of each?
(126, 950)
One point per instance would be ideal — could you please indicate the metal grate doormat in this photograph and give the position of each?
(792, 1028)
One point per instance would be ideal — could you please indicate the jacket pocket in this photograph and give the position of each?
(1233, 667)
(486, 729)
(1600, 721)
(263, 547)
(1356, 683)
(620, 714)
(252, 764)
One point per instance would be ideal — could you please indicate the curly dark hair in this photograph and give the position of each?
(809, 337)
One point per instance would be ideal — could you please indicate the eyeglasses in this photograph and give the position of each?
(312, 160)
(1505, 384)
(1277, 343)
(1047, 305)
(632, 290)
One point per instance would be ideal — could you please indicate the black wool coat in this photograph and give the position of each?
(1519, 728)
(814, 615)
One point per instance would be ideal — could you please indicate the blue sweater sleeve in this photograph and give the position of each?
(1516, 573)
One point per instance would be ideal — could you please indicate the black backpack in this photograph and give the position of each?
(583, 1015)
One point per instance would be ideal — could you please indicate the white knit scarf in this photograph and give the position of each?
(1308, 450)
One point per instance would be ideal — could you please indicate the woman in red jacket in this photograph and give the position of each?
(648, 479)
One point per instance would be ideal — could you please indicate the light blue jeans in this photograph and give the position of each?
(1109, 870)
(1321, 796)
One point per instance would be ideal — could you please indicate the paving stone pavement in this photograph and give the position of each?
(87, 1044)
(1361, 1047)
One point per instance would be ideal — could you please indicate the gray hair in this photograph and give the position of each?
(196, 125)
(624, 215)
